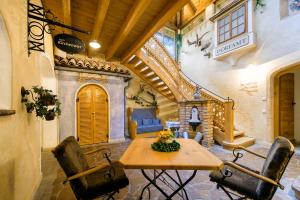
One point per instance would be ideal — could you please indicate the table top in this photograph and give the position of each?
(191, 156)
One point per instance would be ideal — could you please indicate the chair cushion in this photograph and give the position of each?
(149, 128)
(239, 181)
(274, 166)
(156, 121)
(99, 184)
(72, 160)
(147, 122)
(139, 122)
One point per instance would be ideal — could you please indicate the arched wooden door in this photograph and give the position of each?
(92, 115)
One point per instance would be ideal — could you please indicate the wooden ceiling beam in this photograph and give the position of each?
(192, 7)
(102, 8)
(132, 18)
(203, 5)
(200, 8)
(167, 13)
(66, 6)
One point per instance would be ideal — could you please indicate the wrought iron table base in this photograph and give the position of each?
(158, 176)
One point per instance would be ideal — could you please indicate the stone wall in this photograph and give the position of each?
(20, 141)
(206, 116)
(69, 83)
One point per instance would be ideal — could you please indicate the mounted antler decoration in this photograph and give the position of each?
(199, 42)
(141, 100)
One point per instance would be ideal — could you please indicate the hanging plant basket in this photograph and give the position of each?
(42, 101)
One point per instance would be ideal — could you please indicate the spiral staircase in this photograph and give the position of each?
(154, 65)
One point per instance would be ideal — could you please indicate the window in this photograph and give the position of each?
(232, 25)
(167, 38)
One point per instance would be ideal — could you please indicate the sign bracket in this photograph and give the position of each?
(38, 22)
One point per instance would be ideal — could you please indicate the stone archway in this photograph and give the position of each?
(277, 67)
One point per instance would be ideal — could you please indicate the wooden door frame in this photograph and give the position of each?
(108, 105)
(291, 69)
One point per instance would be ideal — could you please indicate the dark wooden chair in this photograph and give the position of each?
(88, 182)
(253, 184)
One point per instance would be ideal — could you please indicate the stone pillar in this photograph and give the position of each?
(205, 108)
(207, 124)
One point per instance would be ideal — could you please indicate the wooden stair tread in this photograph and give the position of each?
(239, 141)
(237, 133)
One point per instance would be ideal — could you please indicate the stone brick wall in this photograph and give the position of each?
(206, 116)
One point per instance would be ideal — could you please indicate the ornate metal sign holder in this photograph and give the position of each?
(38, 22)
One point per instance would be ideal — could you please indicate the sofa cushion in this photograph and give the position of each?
(139, 122)
(147, 122)
(156, 122)
(143, 113)
(149, 128)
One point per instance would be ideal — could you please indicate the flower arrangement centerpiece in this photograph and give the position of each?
(166, 142)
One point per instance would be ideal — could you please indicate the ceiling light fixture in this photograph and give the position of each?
(95, 44)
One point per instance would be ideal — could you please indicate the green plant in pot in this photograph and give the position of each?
(43, 101)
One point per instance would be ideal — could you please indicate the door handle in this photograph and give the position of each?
(293, 103)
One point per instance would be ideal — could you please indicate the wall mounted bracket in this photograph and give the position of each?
(38, 22)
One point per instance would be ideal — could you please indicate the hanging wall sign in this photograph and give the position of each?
(69, 43)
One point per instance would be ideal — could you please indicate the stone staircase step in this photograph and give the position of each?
(237, 133)
(244, 141)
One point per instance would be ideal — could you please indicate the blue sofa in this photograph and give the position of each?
(142, 122)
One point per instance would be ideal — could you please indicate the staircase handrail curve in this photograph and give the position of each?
(166, 52)
(193, 83)
(228, 99)
(173, 70)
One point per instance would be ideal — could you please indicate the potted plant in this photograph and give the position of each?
(43, 101)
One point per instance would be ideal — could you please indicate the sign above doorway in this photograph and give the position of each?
(69, 43)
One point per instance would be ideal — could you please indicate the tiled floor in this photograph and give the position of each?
(51, 187)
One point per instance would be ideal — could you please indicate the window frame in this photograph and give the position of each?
(230, 23)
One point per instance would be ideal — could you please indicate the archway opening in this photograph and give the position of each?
(92, 115)
(287, 104)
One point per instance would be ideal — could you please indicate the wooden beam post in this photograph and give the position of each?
(168, 12)
(66, 6)
(102, 8)
(229, 121)
(132, 18)
(192, 7)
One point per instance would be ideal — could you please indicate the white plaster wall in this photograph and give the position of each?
(20, 135)
(277, 44)
(297, 107)
(49, 81)
(5, 67)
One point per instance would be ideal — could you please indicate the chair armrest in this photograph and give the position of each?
(106, 153)
(87, 172)
(249, 151)
(250, 173)
(238, 155)
(132, 128)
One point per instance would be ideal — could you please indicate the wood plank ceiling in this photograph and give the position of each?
(191, 10)
(121, 26)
